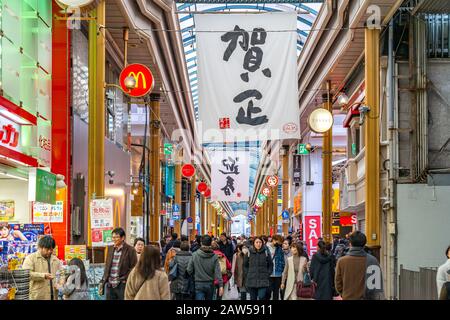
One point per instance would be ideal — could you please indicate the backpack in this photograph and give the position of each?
(223, 265)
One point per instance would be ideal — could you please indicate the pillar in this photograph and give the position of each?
(327, 182)
(274, 220)
(156, 165)
(372, 139)
(178, 182)
(202, 215)
(285, 166)
(192, 206)
(96, 135)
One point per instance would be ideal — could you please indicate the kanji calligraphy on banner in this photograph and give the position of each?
(247, 76)
(230, 176)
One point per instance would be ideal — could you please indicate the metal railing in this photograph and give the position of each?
(418, 285)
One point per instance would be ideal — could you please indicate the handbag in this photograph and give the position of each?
(173, 273)
(306, 289)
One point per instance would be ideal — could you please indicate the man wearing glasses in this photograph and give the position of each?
(120, 260)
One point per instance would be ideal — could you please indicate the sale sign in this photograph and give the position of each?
(346, 221)
(313, 231)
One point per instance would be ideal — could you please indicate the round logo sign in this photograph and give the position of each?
(188, 170)
(136, 80)
(290, 127)
(189, 219)
(266, 191)
(202, 187)
(320, 120)
(272, 181)
(207, 193)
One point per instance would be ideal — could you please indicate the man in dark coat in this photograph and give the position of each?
(226, 247)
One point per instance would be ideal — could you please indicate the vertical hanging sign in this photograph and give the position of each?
(230, 176)
(313, 231)
(101, 222)
(252, 58)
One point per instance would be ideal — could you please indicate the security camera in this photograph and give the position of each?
(111, 174)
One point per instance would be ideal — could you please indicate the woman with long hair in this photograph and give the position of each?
(75, 285)
(147, 281)
(293, 272)
(322, 272)
(238, 270)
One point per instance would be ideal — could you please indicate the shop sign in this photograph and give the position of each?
(45, 144)
(348, 220)
(168, 148)
(101, 221)
(7, 210)
(297, 169)
(143, 77)
(266, 191)
(285, 216)
(10, 134)
(42, 186)
(320, 120)
(43, 212)
(188, 170)
(170, 177)
(272, 181)
(313, 231)
(335, 229)
(74, 251)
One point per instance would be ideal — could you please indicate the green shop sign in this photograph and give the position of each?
(301, 149)
(42, 186)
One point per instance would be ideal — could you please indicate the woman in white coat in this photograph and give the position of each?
(293, 272)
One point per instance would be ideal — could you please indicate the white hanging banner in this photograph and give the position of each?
(247, 77)
(230, 176)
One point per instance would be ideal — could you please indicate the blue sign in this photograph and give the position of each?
(189, 220)
(171, 223)
(175, 217)
(285, 215)
(170, 177)
(176, 208)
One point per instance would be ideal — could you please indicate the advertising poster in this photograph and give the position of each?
(43, 212)
(101, 222)
(74, 251)
(313, 231)
(7, 209)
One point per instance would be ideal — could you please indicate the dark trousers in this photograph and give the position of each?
(204, 290)
(257, 293)
(274, 288)
(117, 293)
(182, 296)
(243, 295)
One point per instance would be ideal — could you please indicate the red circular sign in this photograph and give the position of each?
(266, 191)
(188, 170)
(207, 193)
(143, 77)
(272, 181)
(202, 187)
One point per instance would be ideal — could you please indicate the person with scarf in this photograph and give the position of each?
(358, 274)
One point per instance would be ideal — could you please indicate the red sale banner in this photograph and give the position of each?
(313, 231)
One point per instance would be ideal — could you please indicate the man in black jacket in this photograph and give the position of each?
(171, 242)
(226, 247)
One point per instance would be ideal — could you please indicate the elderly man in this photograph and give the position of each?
(43, 266)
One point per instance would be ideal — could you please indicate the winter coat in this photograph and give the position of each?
(181, 283)
(225, 278)
(258, 267)
(156, 288)
(322, 273)
(205, 267)
(227, 249)
(291, 277)
(40, 287)
(238, 270)
(195, 246)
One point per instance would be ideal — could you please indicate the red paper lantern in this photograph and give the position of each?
(202, 187)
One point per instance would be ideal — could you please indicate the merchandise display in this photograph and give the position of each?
(95, 274)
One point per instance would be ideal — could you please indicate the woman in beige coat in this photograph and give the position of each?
(147, 281)
(293, 272)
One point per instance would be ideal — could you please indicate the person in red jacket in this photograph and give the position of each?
(226, 274)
